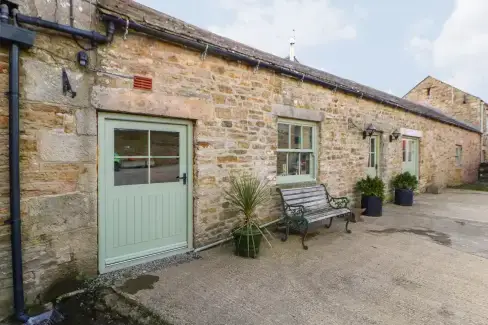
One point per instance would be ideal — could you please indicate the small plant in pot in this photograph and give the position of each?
(245, 195)
(372, 195)
(404, 185)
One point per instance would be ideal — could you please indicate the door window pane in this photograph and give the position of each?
(130, 172)
(307, 137)
(130, 142)
(283, 136)
(281, 165)
(296, 136)
(305, 163)
(293, 165)
(165, 170)
(410, 149)
(165, 143)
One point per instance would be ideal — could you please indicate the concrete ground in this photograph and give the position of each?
(425, 264)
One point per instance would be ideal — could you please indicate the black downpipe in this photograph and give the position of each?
(14, 167)
(14, 136)
(87, 34)
(14, 174)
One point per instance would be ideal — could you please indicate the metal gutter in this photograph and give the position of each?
(209, 48)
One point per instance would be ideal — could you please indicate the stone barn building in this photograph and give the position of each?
(455, 103)
(132, 168)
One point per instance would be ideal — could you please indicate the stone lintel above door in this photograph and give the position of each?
(411, 133)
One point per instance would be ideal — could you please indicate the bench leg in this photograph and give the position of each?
(330, 223)
(287, 232)
(305, 247)
(347, 224)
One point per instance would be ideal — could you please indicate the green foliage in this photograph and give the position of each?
(371, 187)
(405, 181)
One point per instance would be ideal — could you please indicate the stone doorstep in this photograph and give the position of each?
(128, 306)
(357, 214)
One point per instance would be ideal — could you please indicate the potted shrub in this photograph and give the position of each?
(245, 195)
(404, 185)
(372, 195)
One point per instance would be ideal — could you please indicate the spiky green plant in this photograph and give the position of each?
(245, 195)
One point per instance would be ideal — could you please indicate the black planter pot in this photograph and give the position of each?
(373, 206)
(404, 197)
(247, 241)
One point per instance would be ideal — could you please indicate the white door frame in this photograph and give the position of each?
(102, 117)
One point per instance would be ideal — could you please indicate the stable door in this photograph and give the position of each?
(144, 195)
(410, 155)
(373, 156)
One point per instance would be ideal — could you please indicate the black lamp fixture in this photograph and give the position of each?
(394, 136)
(83, 58)
(370, 130)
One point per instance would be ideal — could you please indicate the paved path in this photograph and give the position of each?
(420, 265)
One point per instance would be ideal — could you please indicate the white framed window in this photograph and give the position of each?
(297, 151)
(459, 155)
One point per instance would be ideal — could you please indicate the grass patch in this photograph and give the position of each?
(474, 187)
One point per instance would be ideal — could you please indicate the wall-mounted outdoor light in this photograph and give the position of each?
(394, 136)
(370, 130)
(83, 58)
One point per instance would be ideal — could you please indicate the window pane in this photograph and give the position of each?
(130, 142)
(305, 163)
(283, 136)
(165, 143)
(293, 166)
(404, 150)
(130, 171)
(372, 160)
(281, 166)
(307, 137)
(296, 136)
(372, 145)
(165, 170)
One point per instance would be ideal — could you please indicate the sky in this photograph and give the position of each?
(388, 45)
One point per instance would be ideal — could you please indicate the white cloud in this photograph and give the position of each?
(421, 49)
(268, 25)
(460, 52)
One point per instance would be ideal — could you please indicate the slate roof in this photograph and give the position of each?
(168, 24)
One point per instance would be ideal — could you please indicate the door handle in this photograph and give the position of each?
(183, 178)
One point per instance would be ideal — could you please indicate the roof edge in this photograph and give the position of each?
(183, 33)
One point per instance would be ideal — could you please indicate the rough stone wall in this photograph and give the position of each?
(450, 100)
(234, 132)
(58, 162)
(235, 128)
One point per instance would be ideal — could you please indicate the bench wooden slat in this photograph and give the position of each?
(306, 200)
(303, 195)
(301, 190)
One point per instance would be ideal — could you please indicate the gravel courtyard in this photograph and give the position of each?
(421, 265)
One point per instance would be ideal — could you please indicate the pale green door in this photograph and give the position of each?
(373, 156)
(410, 157)
(144, 199)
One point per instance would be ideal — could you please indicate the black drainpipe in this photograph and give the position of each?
(20, 37)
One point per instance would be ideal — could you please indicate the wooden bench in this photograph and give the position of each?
(307, 206)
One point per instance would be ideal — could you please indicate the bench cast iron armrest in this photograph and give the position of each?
(338, 202)
(294, 211)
